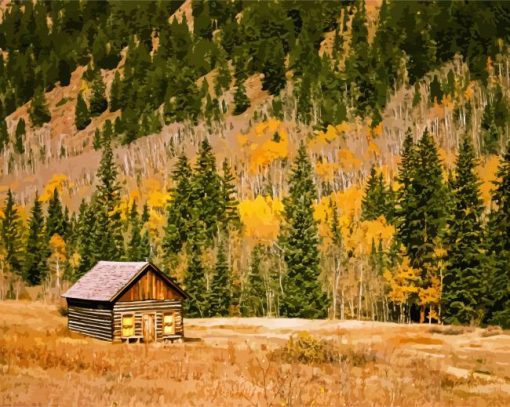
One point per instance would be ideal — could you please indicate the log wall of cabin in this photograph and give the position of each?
(91, 318)
(149, 287)
(139, 308)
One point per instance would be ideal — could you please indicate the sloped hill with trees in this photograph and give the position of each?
(299, 158)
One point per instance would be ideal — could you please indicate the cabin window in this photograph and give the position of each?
(169, 324)
(128, 325)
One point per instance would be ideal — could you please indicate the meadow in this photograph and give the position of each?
(252, 362)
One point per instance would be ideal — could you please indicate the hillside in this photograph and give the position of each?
(306, 159)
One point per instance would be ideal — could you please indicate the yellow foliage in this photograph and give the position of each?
(326, 170)
(402, 281)
(378, 130)
(2, 215)
(74, 260)
(265, 143)
(58, 181)
(469, 92)
(373, 149)
(324, 138)
(261, 218)
(487, 173)
(365, 233)
(347, 160)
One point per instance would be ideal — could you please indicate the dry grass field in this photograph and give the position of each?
(251, 362)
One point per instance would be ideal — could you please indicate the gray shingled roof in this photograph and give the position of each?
(105, 280)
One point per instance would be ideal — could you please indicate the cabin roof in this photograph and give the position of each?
(107, 279)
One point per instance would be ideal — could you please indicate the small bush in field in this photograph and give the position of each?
(450, 330)
(305, 348)
(492, 331)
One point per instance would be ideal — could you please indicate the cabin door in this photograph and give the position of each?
(148, 328)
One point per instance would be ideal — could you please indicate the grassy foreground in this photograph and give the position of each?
(240, 362)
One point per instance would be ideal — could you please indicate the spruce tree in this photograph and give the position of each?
(241, 101)
(55, 223)
(179, 208)
(11, 234)
(255, 301)
(195, 284)
(109, 239)
(134, 249)
(98, 102)
(499, 238)
(81, 113)
(38, 111)
(465, 280)
(207, 195)
(231, 213)
(36, 252)
(303, 295)
(4, 135)
(116, 97)
(85, 228)
(378, 199)
(97, 141)
(219, 297)
(19, 140)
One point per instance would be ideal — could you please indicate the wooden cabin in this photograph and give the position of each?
(126, 301)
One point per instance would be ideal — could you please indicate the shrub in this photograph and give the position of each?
(450, 330)
(492, 330)
(63, 310)
(305, 348)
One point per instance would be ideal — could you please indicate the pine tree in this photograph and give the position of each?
(98, 102)
(11, 234)
(499, 237)
(4, 135)
(179, 208)
(97, 141)
(464, 284)
(195, 284)
(38, 111)
(134, 249)
(378, 199)
(81, 113)
(219, 297)
(231, 213)
(85, 228)
(255, 302)
(55, 223)
(19, 141)
(241, 101)
(423, 209)
(109, 239)
(207, 195)
(116, 96)
(36, 252)
(302, 292)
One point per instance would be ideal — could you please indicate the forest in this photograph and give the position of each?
(345, 160)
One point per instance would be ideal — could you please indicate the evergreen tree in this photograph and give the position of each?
(302, 292)
(55, 223)
(377, 200)
(97, 141)
(219, 297)
(81, 113)
(499, 232)
(4, 135)
(195, 284)
(116, 96)
(85, 228)
(179, 208)
(19, 141)
(229, 196)
(241, 101)
(134, 249)
(465, 281)
(11, 234)
(38, 111)
(109, 239)
(207, 195)
(36, 253)
(98, 102)
(255, 302)
(423, 209)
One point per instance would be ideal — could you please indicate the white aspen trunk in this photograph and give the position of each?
(360, 291)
